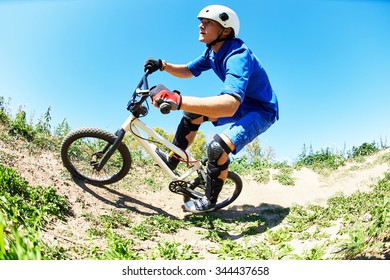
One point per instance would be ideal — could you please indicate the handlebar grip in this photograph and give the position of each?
(165, 108)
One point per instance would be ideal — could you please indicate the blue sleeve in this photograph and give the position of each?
(238, 68)
(199, 65)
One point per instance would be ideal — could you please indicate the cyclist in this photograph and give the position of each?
(246, 101)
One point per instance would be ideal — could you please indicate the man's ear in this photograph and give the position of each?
(227, 31)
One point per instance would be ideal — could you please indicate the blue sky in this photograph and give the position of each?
(328, 62)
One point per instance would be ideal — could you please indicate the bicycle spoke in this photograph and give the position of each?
(83, 150)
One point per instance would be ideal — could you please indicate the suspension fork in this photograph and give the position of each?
(109, 149)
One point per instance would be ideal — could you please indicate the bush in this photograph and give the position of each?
(365, 149)
(19, 126)
(323, 159)
(4, 116)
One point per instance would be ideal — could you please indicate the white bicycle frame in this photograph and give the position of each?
(135, 126)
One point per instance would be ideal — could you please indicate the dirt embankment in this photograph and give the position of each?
(45, 168)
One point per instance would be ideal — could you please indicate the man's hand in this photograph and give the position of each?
(153, 65)
(161, 94)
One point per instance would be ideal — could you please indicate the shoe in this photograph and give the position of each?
(169, 161)
(199, 205)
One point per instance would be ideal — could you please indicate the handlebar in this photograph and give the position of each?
(136, 105)
(165, 108)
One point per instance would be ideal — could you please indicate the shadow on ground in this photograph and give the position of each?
(123, 200)
(262, 217)
(251, 220)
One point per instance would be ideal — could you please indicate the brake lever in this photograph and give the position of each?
(142, 92)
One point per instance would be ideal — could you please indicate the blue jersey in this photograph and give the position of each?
(243, 77)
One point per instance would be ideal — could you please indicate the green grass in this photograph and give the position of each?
(284, 176)
(154, 225)
(358, 237)
(24, 211)
(324, 159)
(168, 250)
(23, 204)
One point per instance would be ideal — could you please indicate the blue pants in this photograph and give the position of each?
(244, 128)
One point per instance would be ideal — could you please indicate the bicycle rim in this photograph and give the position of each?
(80, 154)
(230, 191)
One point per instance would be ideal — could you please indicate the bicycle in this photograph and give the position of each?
(98, 157)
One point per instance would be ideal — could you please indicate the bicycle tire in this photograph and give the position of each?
(231, 190)
(81, 145)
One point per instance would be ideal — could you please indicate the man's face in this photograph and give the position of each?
(209, 30)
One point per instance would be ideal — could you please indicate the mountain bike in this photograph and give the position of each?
(99, 157)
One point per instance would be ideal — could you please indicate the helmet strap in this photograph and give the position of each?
(219, 39)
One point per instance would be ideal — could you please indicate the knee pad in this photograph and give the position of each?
(214, 152)
(184, 128)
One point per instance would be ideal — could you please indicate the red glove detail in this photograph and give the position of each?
(161, 94)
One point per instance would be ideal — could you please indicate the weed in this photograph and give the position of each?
(43, 125)
(316, 235)
(216, 228)
(101, 225)
(213, 235)
(356, 243)
(240, 165)
(320, 160)
(4, 111)
(232, 250)
(301, 218)
(142, 231)
(261, 175)
(119, 248)
(315, 253)
(94, 232)
(174, 251)
(19, 126)
(385, 158)
(62, 130)
(285, 177)
(278, 236)
(284, 251)
(115, 219)
(25, 210)
(28, 205)
(14, 245)
(379, 226)
(152, 184)
(154, 224)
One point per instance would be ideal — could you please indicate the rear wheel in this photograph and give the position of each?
(82, 151)
(230, 191)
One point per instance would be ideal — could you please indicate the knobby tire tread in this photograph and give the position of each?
(101, 134)
(238, 188)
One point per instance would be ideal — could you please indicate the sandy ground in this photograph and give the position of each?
(46, 169)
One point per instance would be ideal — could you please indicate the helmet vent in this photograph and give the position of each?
(224, 16)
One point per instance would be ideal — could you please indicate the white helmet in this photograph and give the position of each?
(223, 15)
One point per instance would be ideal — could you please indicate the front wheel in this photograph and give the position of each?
(230, 191)
(82, 150)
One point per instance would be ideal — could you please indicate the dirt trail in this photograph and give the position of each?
(46, 169)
